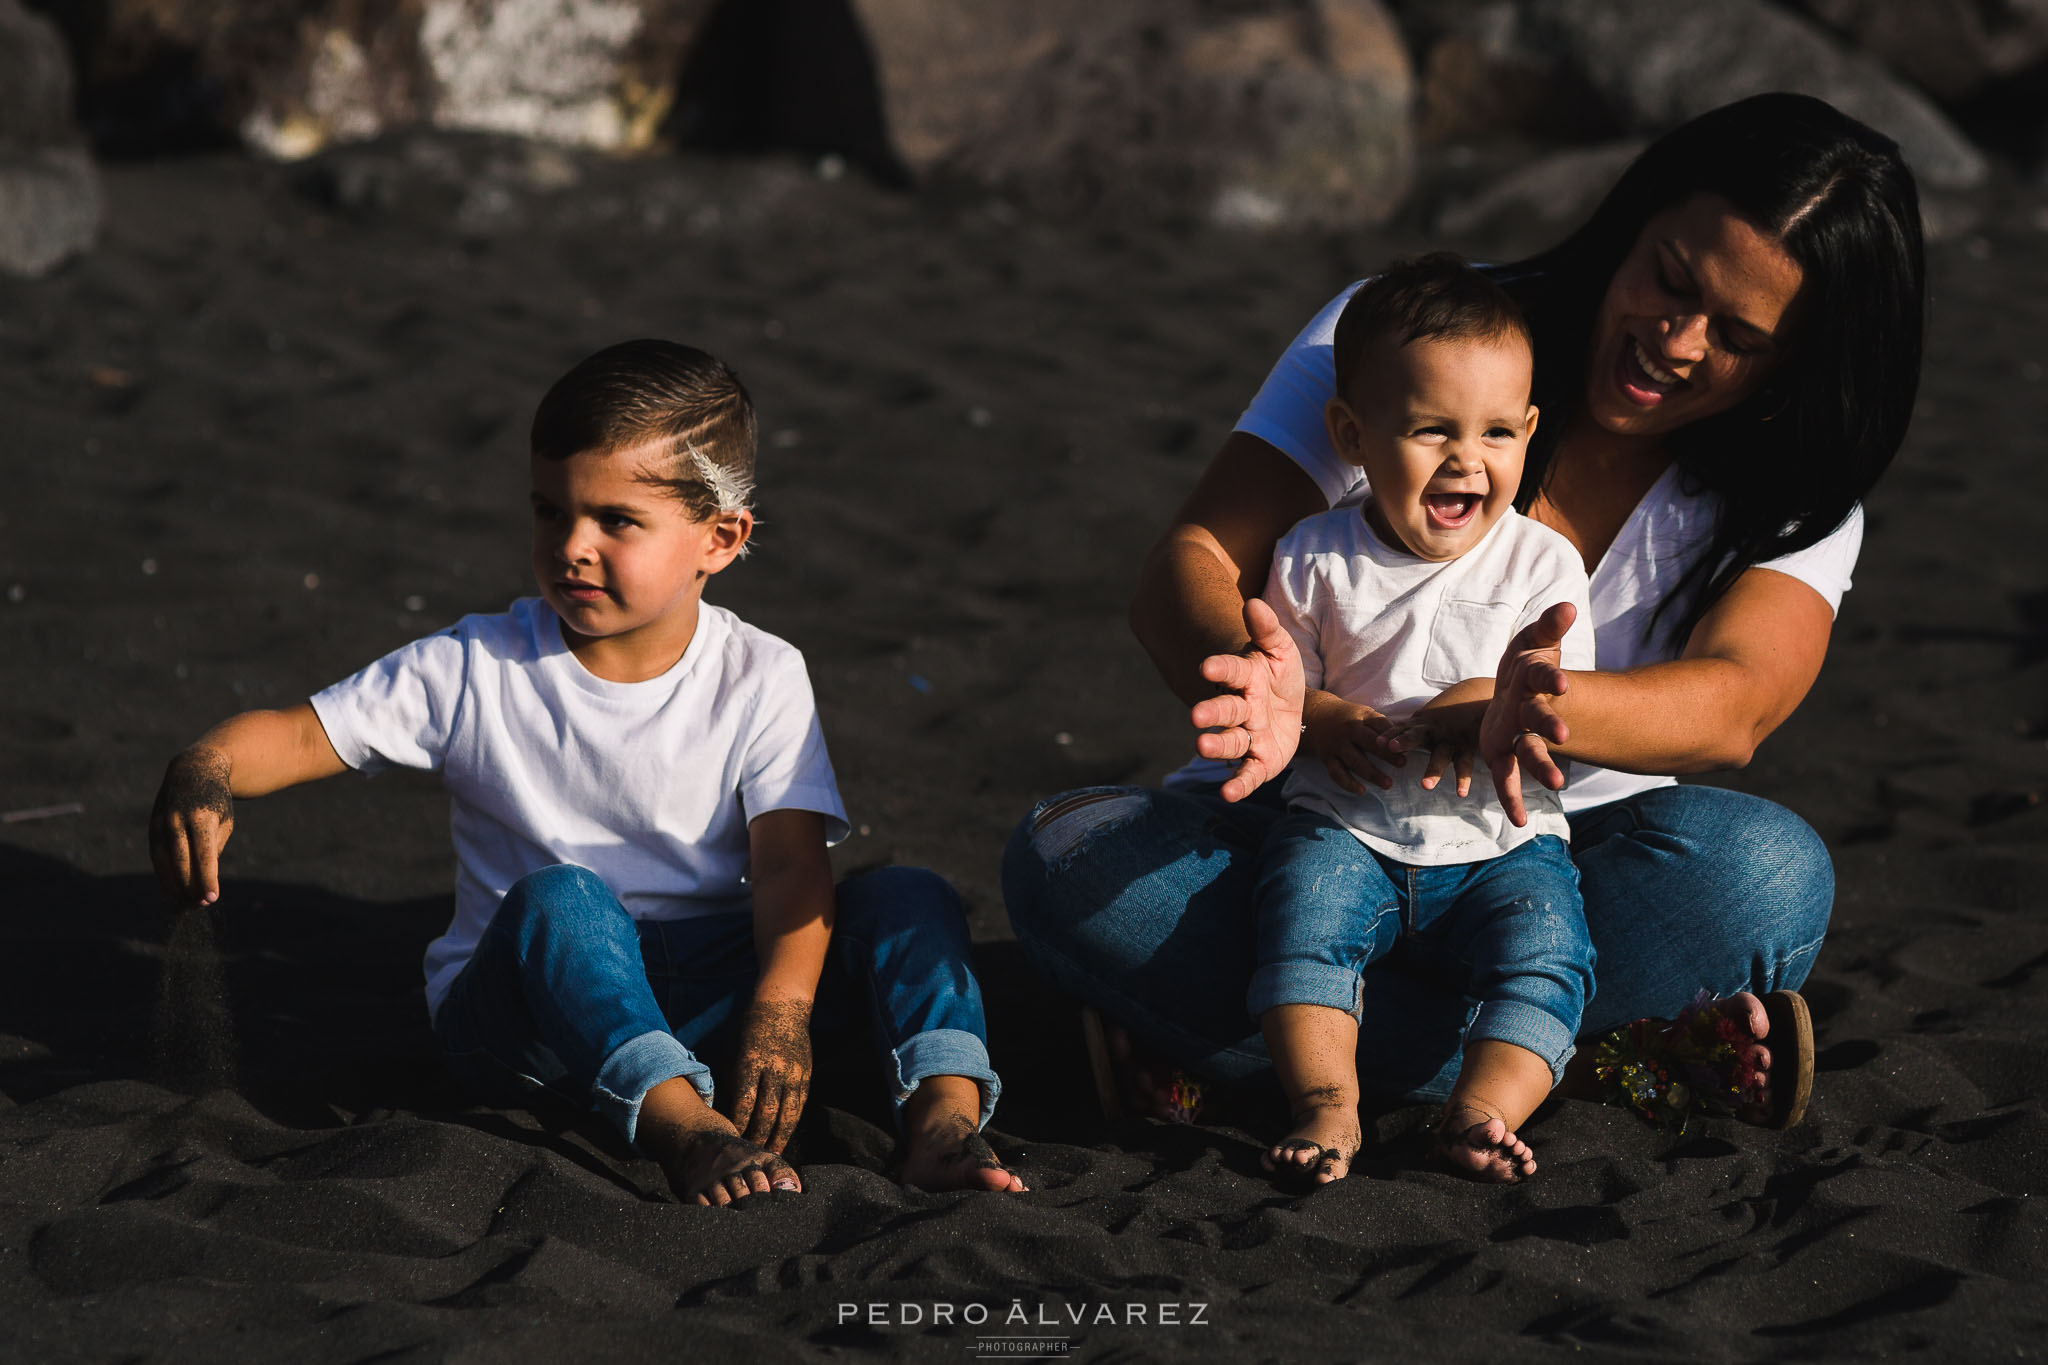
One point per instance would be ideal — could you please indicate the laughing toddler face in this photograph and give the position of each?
(1440, 426)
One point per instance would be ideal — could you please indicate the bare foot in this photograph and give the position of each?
(1478, 1144)
(717, 1168)
(701, 1153)
(1320, 1147)
(1752, 1058)
(942, 1147)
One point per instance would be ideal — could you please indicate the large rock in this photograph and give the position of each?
(49, 190)
(1548, 196)
(1653, 65)
(290, 79)
(1954, 49)
(1256, 114)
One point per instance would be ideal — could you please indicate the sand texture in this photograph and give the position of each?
(274, 427)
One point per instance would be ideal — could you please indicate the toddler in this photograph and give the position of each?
(641, 804)
(1402, 608)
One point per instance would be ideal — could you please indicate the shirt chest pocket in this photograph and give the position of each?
(1467, 640)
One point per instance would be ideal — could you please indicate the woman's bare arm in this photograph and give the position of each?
(1745, 668)
(1192, 588)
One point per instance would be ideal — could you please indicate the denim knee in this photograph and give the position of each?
(563, 892)
(1793, 865)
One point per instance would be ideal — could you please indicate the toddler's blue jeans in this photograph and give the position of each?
(568, 991)
(1507, 931)
(1139, 901)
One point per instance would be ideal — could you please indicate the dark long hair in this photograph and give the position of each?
(1791, 461)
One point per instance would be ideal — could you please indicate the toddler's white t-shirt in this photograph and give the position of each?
(1669, 529)
(1377, 625)
(650, 784)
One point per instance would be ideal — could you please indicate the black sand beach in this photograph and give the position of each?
(274, 427)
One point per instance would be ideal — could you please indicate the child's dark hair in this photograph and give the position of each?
(658, 391)
(1429, 297)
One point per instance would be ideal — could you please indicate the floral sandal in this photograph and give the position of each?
(1703, 1062)
(1130, 1086)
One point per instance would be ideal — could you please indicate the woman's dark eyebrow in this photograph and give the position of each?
(1762, 336)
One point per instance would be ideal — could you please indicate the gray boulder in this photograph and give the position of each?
(1953, 49)
(1548, 196)
(1250, 114)
(291, 79)
(1653, 65)
(49, 190)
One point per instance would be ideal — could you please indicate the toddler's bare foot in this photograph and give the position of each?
(1320, 1147)
(1478, 1144)
(943, 1149)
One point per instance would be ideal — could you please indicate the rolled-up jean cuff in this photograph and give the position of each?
(945, 1052)
(637, 1067)
(1303, 983)
(1526, 1026)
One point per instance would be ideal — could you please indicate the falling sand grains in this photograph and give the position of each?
(192, 1041)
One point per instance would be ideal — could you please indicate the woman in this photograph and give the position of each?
(1726, 358)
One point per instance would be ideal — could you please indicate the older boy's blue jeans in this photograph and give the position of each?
(1507, 931)
(568, 991)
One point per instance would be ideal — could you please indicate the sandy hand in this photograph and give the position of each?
(190, 824)
(774, 1071)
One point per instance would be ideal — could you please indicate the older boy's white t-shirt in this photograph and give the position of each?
(1379, 626)
(1669, 529)
(650, 784)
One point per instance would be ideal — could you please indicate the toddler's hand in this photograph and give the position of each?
(774, 1071)
(1352, 741)
(190, 824)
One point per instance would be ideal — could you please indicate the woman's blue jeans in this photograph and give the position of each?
(568, 991)
(1139, 901)
(1506, 931)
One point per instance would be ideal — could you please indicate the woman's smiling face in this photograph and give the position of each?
(1694, 320)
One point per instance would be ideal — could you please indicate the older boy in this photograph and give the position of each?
(641, 807)
(1393, 604)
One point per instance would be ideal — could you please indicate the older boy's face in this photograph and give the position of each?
(617, 558)
(1440, 428)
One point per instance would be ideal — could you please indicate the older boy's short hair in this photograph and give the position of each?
(1434, 296)
(658, 391)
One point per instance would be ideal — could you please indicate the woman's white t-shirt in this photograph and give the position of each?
(1662, 537)
(649, 784)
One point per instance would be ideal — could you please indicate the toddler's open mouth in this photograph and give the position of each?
(1449, 511)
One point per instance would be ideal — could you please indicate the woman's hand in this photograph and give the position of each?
(774, 1071)
(1257, 719)
(1448, 726)
(1521, 723)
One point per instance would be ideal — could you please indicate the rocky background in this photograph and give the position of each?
(1256, 114)
(283, 283)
